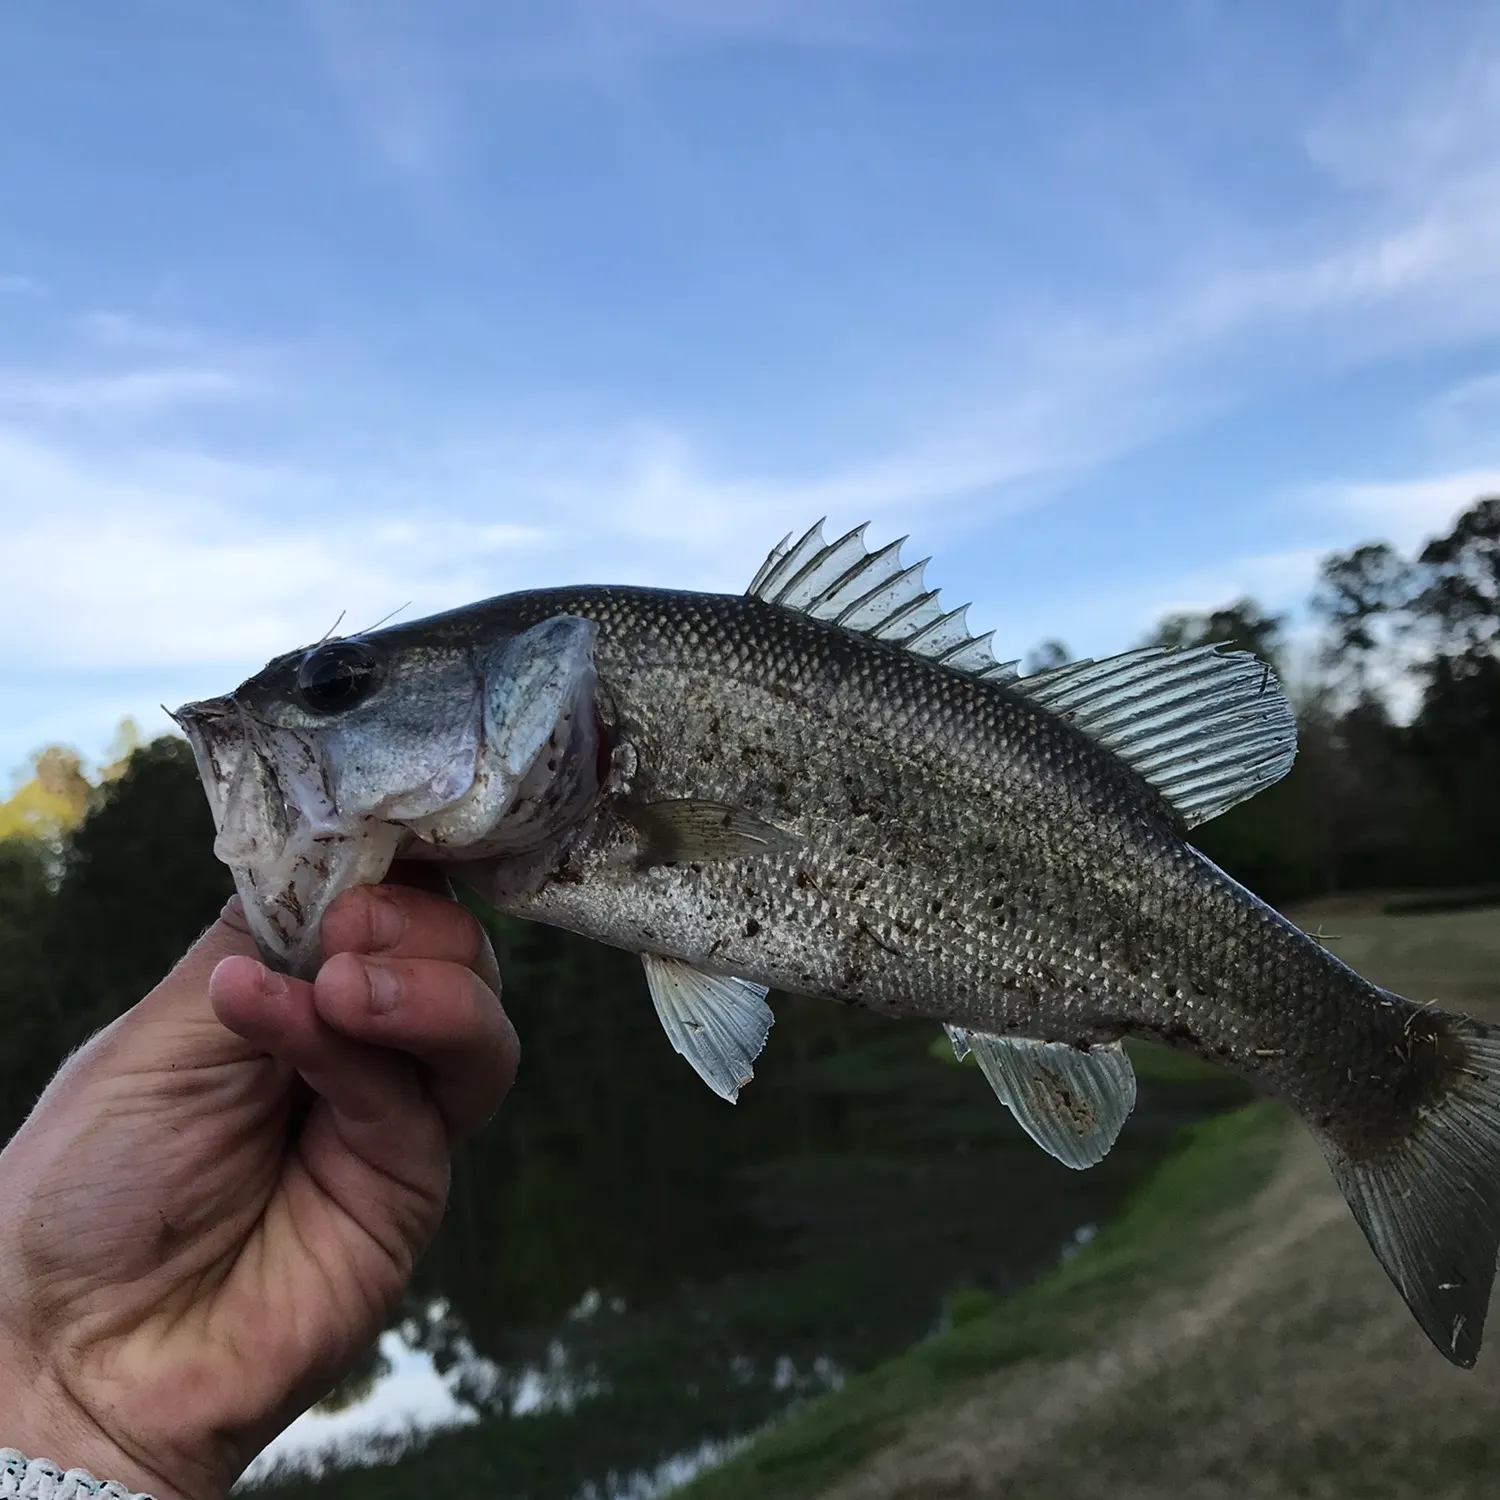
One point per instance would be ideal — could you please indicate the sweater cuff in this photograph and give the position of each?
(36, 1479)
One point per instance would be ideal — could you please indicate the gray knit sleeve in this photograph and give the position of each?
(36, 1479)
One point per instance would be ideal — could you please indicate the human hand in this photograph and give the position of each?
(217, 1201)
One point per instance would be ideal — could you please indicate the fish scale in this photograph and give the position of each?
(978, 786)
(828, 787)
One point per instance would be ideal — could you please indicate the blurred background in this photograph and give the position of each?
(1165, 323)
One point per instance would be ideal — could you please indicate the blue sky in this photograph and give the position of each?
(354, 304)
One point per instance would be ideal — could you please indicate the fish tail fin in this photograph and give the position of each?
(1430, 1206)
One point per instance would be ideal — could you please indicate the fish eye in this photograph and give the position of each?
(335, 677)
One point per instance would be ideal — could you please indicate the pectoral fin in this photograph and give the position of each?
(1071, 1102)
(719, 1024)
(678, 831)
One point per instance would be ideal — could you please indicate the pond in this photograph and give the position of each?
(634, 1275)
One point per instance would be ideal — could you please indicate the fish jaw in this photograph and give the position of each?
(501, 762)
(278, 831)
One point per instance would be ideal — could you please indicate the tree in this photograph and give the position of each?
(1362, 597)
(29, 1005)
(51, 802)
(1242, 624)
(88, 927)
(140, 880)
(1458, 597)
(1046, 655)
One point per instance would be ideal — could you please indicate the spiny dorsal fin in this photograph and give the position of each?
(1206, 727)
(874, 594)
(719, 1024)
(1071, 1102)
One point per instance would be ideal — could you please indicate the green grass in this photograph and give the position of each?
(1165, 1235)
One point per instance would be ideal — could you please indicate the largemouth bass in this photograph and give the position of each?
(827, 786)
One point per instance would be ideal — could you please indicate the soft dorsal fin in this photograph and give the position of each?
(874, 594)
(717, 1023)
(1206, 727)
(1071, 1102)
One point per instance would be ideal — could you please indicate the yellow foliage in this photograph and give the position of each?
(53, 800)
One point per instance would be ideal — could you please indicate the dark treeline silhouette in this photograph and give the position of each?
(1397, 777)
(86, 930)
(628, 1237)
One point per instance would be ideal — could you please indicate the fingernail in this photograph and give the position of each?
(385, 988)
(272, 983)
(387, 922)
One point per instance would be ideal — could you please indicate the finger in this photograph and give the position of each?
(440, 1013)
(278, 1015)
(399, 922)
(375, 1145)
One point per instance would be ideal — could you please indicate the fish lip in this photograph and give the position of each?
(287, 871)
(204, 711)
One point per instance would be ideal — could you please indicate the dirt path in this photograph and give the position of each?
(1294, 1371)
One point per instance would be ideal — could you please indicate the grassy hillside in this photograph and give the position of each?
(1168, 1234)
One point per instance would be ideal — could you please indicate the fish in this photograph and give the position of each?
(828, 786)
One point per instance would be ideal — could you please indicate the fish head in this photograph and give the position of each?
(331, 761)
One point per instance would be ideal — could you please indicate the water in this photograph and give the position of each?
(634, 1275)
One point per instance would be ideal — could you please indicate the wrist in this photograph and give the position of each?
(39, 1420)
(22, 1477)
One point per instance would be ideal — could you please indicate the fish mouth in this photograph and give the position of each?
(277, 830)
(301, 814)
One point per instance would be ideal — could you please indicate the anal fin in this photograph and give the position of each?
(1071, 1102)
(719, 1024)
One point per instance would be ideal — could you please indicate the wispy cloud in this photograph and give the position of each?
(116, 331)
(132, 393)
(395, 76)
(1467, 415)
(1407, 512)
(152, 563)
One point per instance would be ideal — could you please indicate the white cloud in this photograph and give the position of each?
(120, 332)
(135, 392)
(1468, 414)
(1424, 102)
(150, 563)
(385, 60)
(1406, 512)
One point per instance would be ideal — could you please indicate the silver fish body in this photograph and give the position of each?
(754, 797)
(952, 851)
